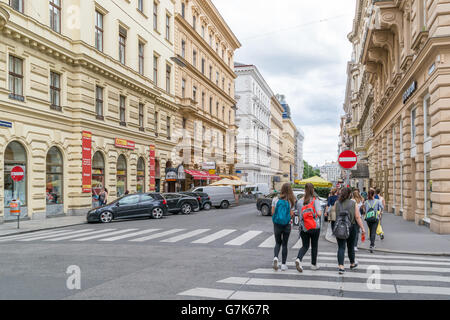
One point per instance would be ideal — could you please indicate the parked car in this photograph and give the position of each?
(203, 199)
(183, 203)
(264, 205)
(152, 205)
(259, 189)
(221, 197)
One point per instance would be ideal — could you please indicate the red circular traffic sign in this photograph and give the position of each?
(348, 159)
(17, 174)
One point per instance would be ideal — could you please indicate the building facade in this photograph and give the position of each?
(85, 101)
(399, 105)
(253, 117)
(331, 172)
(276, 142)
(204, 88)
(299, 164)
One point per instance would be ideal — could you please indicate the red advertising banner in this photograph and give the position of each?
(152, 168)
(86, 144)
(126, 144)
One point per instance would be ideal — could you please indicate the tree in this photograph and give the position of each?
(309, 171)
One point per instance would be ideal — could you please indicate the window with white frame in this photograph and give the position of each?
(427, 116)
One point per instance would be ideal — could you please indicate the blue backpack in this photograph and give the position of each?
(282, 215)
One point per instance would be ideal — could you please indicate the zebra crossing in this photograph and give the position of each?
(378, 276)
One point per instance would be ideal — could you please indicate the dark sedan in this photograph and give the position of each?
(203, 199)
(152, 205)
(178, 202)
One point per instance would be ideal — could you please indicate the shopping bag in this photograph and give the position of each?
(379, 229)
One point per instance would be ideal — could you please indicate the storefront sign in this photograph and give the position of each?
(126, 144)
(412, 88)
(212, 171)
(209, 166)
(172, 175)
(5, 124)
(86, 144)
(152, 168)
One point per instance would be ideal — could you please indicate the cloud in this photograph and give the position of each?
(301, 49)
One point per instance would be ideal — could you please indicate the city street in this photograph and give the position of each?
(224, 254)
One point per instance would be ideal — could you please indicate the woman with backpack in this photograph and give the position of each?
(374, 211)
(282, 214)
(348, 220)
(309, 211)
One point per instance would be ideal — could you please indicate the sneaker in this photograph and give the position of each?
(275, 264)
(298, 265)
(356, 249)
(315, 267)
(341, 271)
(354, 266)
(284, 267)
(382, 237)
(371, 249)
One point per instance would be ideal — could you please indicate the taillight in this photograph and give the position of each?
(209, 198)
(199, 199)
(164, 202)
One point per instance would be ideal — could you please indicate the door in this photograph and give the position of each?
(172, 201)
(128, 206)
(146, 204)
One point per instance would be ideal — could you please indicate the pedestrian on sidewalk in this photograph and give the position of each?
(364, 193)
(374, 210)
(103, 197)
(282, 214)
(347, 223)
(309, 211)
(379, 196)
(361, 208)
(332, 198)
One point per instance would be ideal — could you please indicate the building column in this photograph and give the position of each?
(398, 168)
(420, 205)
(408, 175)
(389, 193)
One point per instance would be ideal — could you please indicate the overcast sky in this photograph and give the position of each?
(301, 49)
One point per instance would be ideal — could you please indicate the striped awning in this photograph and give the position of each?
(202, 175)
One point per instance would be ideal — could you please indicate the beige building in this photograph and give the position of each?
(204, 89)
(81, 68)
(399, 106)
(276, 142)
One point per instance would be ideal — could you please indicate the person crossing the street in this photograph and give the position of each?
(374, 212)
(309, 211)
(361, 208)
(378, 196)
(282, 214)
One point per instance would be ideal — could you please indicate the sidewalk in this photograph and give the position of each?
(404, 237)
(10, 228)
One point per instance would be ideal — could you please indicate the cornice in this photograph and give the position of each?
(4, 16)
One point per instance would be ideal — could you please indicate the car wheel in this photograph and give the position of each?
(265, 210)
(157, 213)
(106, 217)
(224, 205)
(186, 208)
(207, 206)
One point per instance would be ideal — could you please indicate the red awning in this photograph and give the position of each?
(201, 175)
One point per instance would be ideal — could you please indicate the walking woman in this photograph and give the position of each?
(347, 213)
(282, 214)
(361, 208)
(374, 211)
(309, 210)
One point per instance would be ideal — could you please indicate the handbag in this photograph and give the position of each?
(379, 229)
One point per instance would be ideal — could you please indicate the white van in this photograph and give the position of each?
(259, 189)
(222, 197)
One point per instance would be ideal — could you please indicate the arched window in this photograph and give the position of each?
(140, 187)
(15, 155)
(98, 176)
(121, 176)
(54, 178)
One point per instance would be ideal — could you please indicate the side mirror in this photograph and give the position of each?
(117, 204)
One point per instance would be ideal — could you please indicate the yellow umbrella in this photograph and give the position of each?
(317, 182)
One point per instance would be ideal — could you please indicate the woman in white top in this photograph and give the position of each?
(359, 204)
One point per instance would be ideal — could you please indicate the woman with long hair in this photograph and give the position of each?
(309, 211)
(347, 207)
(282, 214)
(361, 208)
(375, 205)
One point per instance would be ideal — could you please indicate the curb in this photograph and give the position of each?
(43, 229)
(441, 254)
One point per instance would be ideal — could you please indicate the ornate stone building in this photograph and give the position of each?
(400, 93)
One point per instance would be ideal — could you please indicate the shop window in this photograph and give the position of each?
(140, 187)
(98, 175)
(15, 155)
(121, 176)
(54, 181)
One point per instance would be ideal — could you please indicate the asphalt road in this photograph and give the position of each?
(215, 254)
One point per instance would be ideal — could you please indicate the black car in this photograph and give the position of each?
(203, 199)
(178, 202)
(152, 205)
(264, 205)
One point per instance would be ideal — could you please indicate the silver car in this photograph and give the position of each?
(221, 197)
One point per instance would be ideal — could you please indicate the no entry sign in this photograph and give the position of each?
(348, 159)
(17, 174)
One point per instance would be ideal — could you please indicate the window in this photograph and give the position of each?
(203, 65)
(98, 31)
(413, 127)
(194, 22)
(203, 100)
(203, 32)
(210, 105)
(183, 10)
(183, 48)
(15, 155)
(98, 176)
(426, 112)
(99, 102)
(217, 109)
(140, 183)
(183, 122)
(168, 128)
(425, 14)
(210, 72)
(194, 93)
(155, 69)
(141, 5)
(229, 117)
(183, 88)
(141, 58)
(223, 113)
(155, 16)
(55, 91)
(55, 15)
(16, 78)
(122, 181)
(16, 5)
(217, 78)
(210, 40)
(54, 177)
(122, 44)
(141, 116)
(223, 83)
(156, 123)
(194, 58)
(168, 27)
(122, 111)
(168, 76)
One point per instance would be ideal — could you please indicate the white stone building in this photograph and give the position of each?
(253, 118)
(330, 171)
(299, 165)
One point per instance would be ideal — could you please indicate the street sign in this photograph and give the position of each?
(17, 174)
(348, 159)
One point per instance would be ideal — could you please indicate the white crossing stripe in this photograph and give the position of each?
(388, 268)
(390, 256)
(32, 235)
(129, 235)
(423, 290)
(269, 243)
(186, 235)
(214, 236)
(243, 238)
(79, 235)
(391, 261)
(104, 235)
(53, 235)
(208, 293)
(157, 235)
(355, 275)
(329, 285)
(298, 245)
